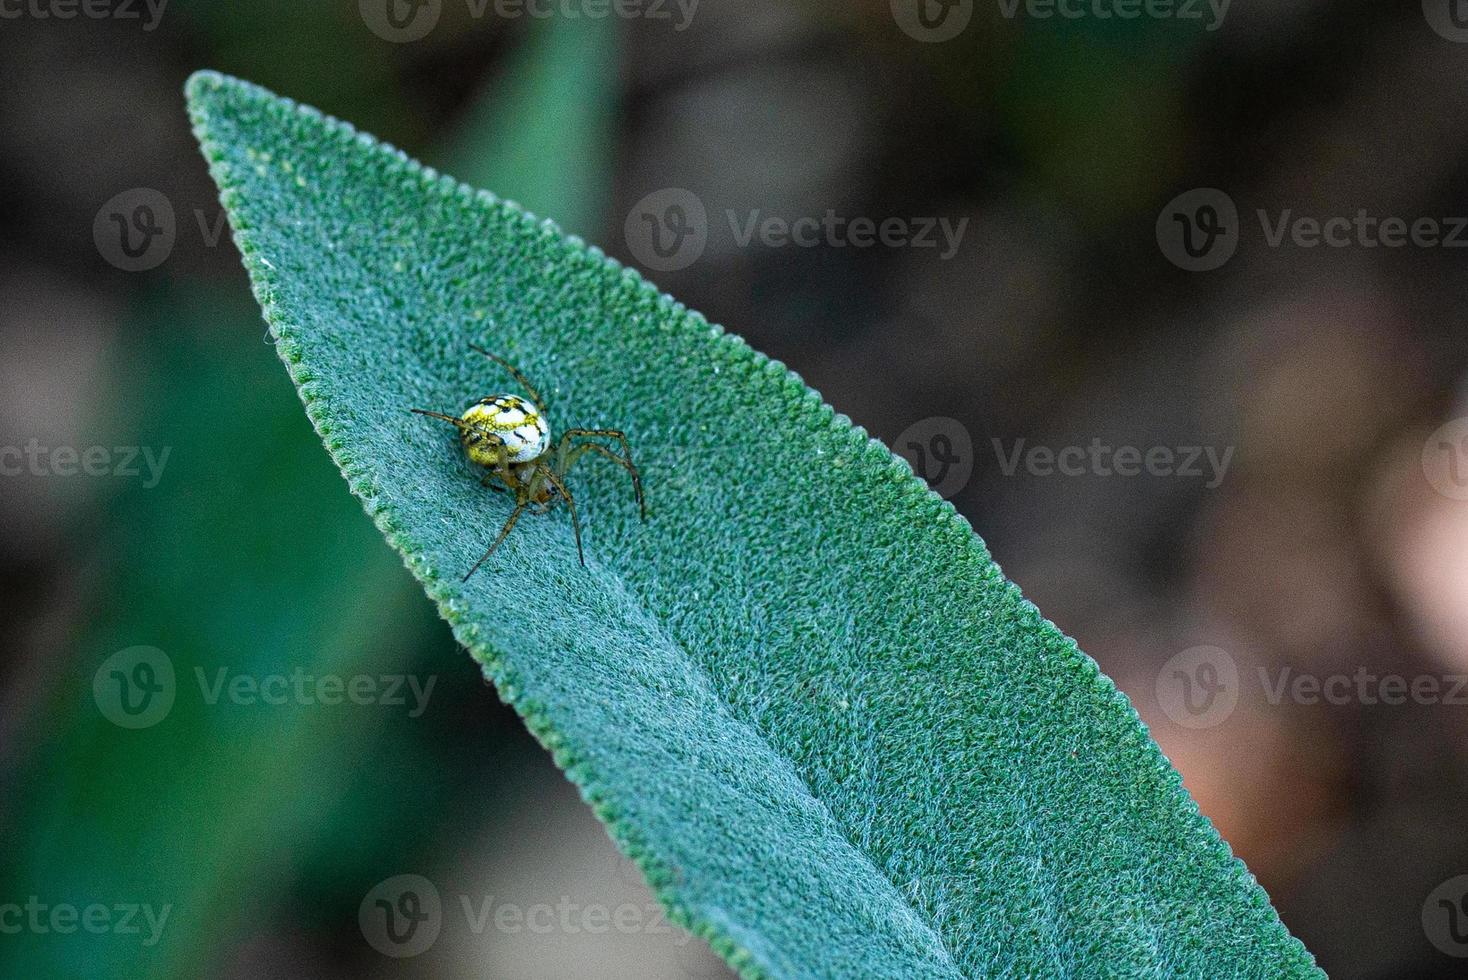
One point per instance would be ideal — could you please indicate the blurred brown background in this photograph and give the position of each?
(1280, 584)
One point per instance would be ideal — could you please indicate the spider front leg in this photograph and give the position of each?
(514, 373)
(568, 455)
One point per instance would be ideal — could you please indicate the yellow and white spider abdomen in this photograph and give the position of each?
(504, 429)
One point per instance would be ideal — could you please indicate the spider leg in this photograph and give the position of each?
(504, 532)
(484, 481)
(625, 460)
(456, 423)
(560, 486)
(577, 451)
(535, 487)
(514, 373)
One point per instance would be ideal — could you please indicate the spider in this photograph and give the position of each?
(511, 438)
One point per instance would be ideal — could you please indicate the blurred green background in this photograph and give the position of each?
(262, 828)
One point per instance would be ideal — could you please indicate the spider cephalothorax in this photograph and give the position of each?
(510, 437)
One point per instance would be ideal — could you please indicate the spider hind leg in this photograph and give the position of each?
(504, 533)
(570, 452)
(543, 470)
